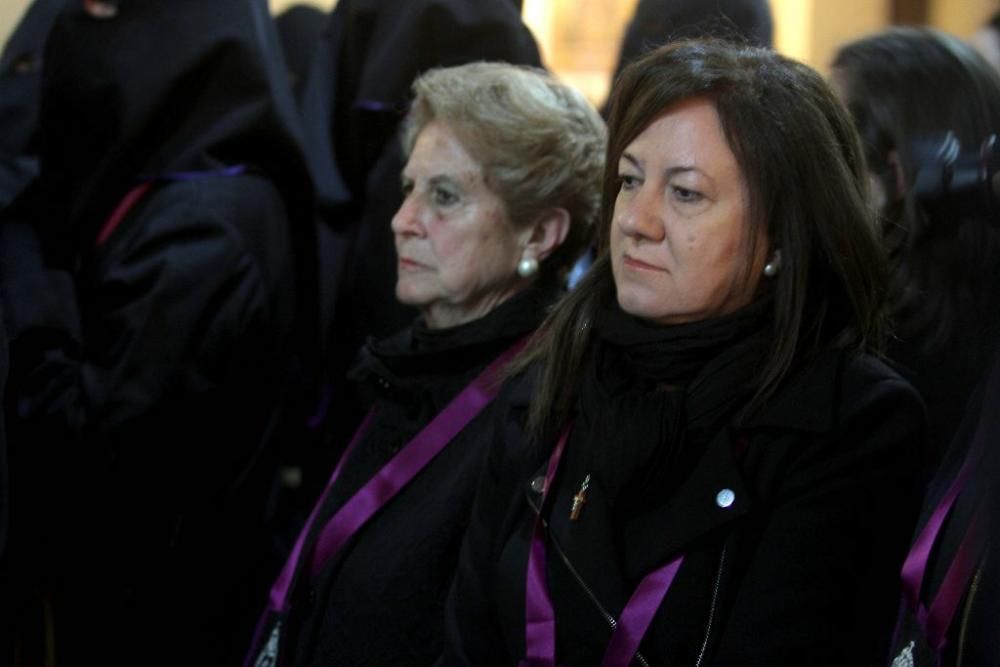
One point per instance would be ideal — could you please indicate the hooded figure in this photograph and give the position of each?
(156, 286)
(20, 91)
(356, 94)
(658, 22)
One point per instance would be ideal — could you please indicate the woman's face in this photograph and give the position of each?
(457, 252)
(679, 231)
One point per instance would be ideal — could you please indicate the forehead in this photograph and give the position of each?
(687, 133)
(438, 147)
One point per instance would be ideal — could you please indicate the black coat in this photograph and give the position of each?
(381, 601)
(801, 569)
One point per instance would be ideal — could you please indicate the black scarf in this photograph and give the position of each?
(657, 394)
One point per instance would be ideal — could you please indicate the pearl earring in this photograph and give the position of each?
(771, 268)
(527, 267)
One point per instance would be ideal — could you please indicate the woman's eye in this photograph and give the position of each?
(444, 197)
(628, 181)
(407, 188)
(685, 195)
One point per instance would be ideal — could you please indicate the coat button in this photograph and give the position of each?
(725, 498)
(538, 484)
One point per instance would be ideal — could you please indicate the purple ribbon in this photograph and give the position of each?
(539, 613)
(936, 618)
(234, 170)
(279, 594)
(386, 483)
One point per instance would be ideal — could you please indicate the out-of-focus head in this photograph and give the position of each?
(906, 84)
(659, 22)
(903, 86)
(517, 157)
(755, 162)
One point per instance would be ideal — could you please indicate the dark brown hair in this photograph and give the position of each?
(808, 196)
(907, 84)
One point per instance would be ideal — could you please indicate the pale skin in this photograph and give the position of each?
(457, 251)
(680, 223)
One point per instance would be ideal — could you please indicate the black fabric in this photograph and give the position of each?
(20, 96)
(648, 386)
(801, 568)
(300, 28)
(381, 601)
(150, 374)
(356, 94)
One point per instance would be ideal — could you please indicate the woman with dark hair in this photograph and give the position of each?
(500, 198)
(910, 90)
(907, 88)
(157, 285)
(702, 462)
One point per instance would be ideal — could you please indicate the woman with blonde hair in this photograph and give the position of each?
(500, 198)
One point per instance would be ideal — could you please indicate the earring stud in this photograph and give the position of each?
(771, 268)
(527, 267)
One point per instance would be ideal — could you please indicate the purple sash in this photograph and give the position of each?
(935, 619)
(539, 614)
(380, 489)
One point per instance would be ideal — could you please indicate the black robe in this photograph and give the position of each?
(150, 368)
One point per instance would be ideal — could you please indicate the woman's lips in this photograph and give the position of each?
(407, 264)
(633, 263)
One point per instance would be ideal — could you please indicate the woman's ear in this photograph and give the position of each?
(546, 234)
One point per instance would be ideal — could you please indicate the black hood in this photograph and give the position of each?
(20, 94)
(358, 87)
(658, 22)
(166, 86)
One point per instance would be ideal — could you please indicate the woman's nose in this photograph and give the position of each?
(407, 222)
(641, 216)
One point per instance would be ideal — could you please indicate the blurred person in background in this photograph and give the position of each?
(907, 88)
(156, 282)
(920, 99)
